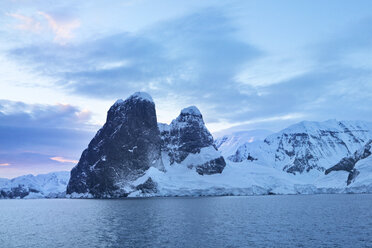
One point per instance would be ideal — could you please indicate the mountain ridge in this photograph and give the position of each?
(133, 155)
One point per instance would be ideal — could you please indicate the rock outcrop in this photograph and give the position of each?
(187, 140)
(123, 149)
(348, 163)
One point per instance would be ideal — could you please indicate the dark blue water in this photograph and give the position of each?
(257, 221)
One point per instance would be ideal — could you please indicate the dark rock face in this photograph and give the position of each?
(211, 167)
(348, 163)
(122, 150)
(148, 187)
(237, 157)
(130, 143)
(186, 135)
(17, 192)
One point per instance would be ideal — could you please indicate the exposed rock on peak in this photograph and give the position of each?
(122, 150)
(138, 96)
(192, 110)
(143, 96)
(348, 163)
(186, 136)
(130, 143)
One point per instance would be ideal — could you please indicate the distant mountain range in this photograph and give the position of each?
(134, 156)
(52, 185)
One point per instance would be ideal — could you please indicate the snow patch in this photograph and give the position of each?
(205, 155)
(192, 110)
(141, 96)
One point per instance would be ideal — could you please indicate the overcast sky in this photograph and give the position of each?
(252, 64)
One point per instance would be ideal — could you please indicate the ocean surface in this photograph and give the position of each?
(254, 221)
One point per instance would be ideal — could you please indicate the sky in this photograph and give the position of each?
(246, 65)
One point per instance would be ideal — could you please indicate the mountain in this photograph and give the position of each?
(123, 149)
(229, 142)
(52, 185)
(306, 158)
(186, 140)
(130, 143)
(133, 155)
(307, 146)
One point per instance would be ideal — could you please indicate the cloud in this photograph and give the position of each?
(5, 164)
(199, 59)
(32, 134)
(61, 29)
(188, 60)
(15, 114)
(64, 160)
(26, 23)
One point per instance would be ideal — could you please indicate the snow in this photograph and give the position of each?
(137, 95)
(119, 101)
(259, 177)
(79, 195)
(205, 155)
(141, 96)
(265, 176)
(47, 185)
(192, 110)
(229, 143)
(247, 179)
(132, 150)
(327, 142)
(364, 166)
(163, 127)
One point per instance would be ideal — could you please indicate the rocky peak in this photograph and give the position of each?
(186, 136)
(122, 150)
(190, 113)
(130, 143)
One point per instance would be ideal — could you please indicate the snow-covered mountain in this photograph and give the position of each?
(229, 143)
(187, 140)
(348, 169)
(51, 185)
(131, 142)
(123, 149)
(307, 146)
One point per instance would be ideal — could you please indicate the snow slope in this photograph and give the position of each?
(317, 145)
(229, 143)
(307, 145)
(247, 178)
(29, 186)
(328, 143)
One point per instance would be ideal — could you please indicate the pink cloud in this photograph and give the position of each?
(26, 23)
(64, 160)
(83, 115)
(4, 164)
(62, 30)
